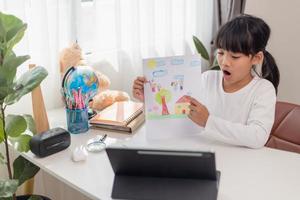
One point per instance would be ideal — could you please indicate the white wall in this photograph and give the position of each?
(284, 19)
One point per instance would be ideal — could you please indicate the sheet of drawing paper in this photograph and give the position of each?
(169, 81)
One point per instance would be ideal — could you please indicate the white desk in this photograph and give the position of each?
(245, 173)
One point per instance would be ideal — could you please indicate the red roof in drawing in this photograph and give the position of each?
(183, 99)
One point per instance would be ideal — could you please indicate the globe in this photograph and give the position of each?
(80, 82)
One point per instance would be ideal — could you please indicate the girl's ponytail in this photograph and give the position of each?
(269, 70)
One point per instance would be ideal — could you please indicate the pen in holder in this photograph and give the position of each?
(79, 86)
(77, 120)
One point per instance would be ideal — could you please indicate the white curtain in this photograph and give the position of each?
(120, 33)
(48, 31)
(115, 36)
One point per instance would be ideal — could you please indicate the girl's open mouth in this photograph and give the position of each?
(227, 73)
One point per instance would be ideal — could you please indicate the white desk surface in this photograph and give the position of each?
(245, 173)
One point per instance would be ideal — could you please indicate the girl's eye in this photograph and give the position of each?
(220, 53)
(235, 57)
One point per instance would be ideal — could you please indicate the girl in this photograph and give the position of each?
(237, 104)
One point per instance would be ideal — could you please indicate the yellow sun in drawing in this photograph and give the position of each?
(151, 64)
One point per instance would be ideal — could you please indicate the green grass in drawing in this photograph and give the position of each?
(153, 116)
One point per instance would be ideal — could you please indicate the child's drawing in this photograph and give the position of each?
(182, 105)
(177, 83)
(166, 86)
(170, 81)
(162, 97)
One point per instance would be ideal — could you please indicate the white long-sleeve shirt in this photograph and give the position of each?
(244, 117)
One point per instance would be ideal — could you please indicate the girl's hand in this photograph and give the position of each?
(198, 112)
(138, 88)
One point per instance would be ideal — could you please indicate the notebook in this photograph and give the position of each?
(129, 128)
(118, 114)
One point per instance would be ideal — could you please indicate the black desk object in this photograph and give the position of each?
(148, 174)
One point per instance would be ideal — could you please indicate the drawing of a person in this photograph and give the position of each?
(153, 85)
(181, 84)
(158, 87)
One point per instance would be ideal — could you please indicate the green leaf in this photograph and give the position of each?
(16, 38)
(11, 31)
(8, 198)
(30, 124)
(26, 83)
(8, 187)
(216, 67)
(201, 48)
(2, 159)
(21, 143)
(10, 65)
(2, 29)
(35, 197)
(215, 63)
(1, 130)
(3, 86)
(24, 170)
(9, 21)
(4, 92)
(15, 125)
(15, 30)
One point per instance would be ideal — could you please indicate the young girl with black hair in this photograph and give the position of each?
(237, 104)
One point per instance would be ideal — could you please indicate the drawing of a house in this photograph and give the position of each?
(182, 105)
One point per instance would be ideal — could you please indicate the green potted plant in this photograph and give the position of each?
(15, 130)
(213, 63)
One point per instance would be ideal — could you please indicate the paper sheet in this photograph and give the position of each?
(169, 80)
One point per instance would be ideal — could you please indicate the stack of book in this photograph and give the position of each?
(121, 116)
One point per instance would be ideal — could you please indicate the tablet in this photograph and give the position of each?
(163, 174)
